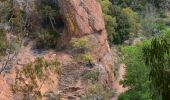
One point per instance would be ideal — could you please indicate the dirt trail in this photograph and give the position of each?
(119, 88)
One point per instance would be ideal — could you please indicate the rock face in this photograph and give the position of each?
(84, 18)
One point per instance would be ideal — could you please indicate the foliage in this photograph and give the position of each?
(28, 79)
(105, 6)
(81, 43)
(123, 26)
(139, 5)
(47, 39)
(91, 75)
(97, 92)
(120, 22)
(50, 15)
(17, 24)
(85, 58)
(136, 78)
(166, 34)
(133, 95)
(133, 20)
(5, 10)
(153, 28)
(136, 5)
(110, 27)
(3, 43)
(82, 47)
(157, 58)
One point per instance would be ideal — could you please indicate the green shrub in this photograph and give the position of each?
(47, 40)
(81, 43)
(84, 58)
(17, 24)
(82, 47)
(160, 26)
(91, 75)
(97, 92)
(5, 10)
(163, 14)
(133, 20)
(3, 43)
(33, 74)
(49, 13)
(110, 27)
(136, 77)
(105, 6)
(40, 64)
(167, 34)
(133, 95)
(121, 23)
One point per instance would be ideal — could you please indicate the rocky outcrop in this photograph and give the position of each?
(84, 18)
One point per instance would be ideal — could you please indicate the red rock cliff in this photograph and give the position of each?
(84, 18)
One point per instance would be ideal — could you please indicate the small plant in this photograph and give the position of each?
(97, 92)
(27, 80)
(82, 47)
(47, 39)
(91, 75)
(3, 43)
(17, 24)
(84, 58)
(81, 43)
(39, 64)
(5, 10)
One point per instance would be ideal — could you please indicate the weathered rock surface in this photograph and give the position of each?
(83, 18)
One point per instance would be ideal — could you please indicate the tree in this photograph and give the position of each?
(110, 27)
(49, 13)
(136, 77)
(133, 19)
(157, 57)
(136, 5)
(123, 24)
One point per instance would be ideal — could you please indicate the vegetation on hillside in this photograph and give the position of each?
(147, 61)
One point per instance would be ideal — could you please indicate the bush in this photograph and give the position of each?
(81, 44)
(32, 75)
(105, 6)
(47, 39)
(136, 5)
(5, 10)
(167, 34)
(49, 12)
(133, 20)
(97, 92)
(136, 77)
(84, 58)
(121, 23)
(132, 95)
(82, 47)
(110, 27)
(3, 43)
(163, 14)
(91, 75)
